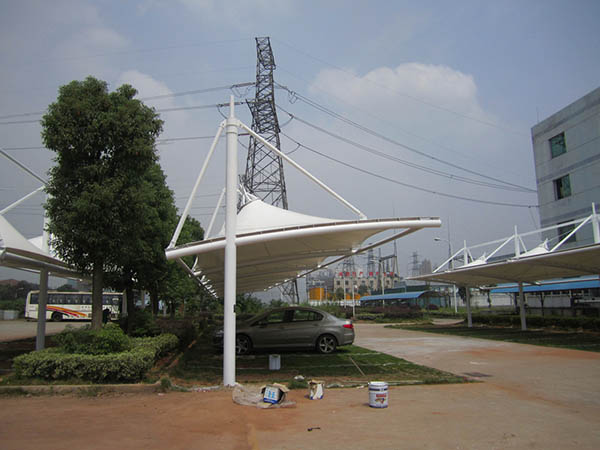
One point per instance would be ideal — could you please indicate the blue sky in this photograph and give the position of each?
(459, 81)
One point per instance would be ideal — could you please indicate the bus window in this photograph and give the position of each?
(86, 299)
(34, 299)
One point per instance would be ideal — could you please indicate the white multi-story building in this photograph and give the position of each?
(372, 281)
(566, 149)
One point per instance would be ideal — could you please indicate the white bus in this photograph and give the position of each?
(72, 305)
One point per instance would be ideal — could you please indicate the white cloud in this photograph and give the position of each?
(144, 84)
(418, 83)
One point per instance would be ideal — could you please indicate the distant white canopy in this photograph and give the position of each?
(19, 253)
(276, 245)
(530, 268)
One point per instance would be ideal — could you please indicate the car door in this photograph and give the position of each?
(304, 328)
(270, 330)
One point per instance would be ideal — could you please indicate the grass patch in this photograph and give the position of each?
(202, 364)
(562, 339)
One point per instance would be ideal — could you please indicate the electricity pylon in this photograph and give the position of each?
(264, 169)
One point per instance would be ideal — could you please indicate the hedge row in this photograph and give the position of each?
(585, 323)
(128, 366)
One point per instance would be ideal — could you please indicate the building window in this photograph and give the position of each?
(558, 145)
(563, 187)
(564, 231)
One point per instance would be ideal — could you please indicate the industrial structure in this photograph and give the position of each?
(264, 169)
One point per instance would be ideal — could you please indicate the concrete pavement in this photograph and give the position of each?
(12, 330)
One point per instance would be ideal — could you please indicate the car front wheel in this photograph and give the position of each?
(326, 344)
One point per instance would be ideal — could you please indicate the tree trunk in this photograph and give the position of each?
(130, 308)
(97, 287)
(154, 301)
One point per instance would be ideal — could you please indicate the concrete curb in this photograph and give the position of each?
(85, 389)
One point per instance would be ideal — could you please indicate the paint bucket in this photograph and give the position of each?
(274, 362)
(378, 394)
(316, 389)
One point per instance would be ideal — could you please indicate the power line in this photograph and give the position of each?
(198, 91)
(432, 105)
(392, 141)
(429, 191)
(156, 97)
(408, 163)
(378, 118)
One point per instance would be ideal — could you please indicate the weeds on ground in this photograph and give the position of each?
(202, 364)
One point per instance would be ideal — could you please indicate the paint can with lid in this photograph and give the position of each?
(378, 394)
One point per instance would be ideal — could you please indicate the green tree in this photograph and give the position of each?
(246, 304)
(104, 144)
(277, 303)
(178, 287)
(142, 263)
(363, 290)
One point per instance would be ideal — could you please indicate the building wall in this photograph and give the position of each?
(369, 279)
(580, 125)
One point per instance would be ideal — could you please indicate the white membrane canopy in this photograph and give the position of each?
(275, 245)
(526, 269)
(19, 253)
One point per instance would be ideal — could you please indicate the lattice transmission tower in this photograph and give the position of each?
(264, 169)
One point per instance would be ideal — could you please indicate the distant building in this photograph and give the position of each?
(566, 149)
(371, 280)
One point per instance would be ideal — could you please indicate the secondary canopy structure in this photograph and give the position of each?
(532, 267)
(527, 269)
(263, 245)
(19, 253)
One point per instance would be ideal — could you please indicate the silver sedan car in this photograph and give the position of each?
(292, 327)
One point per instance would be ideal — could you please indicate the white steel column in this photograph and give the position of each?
(468, 301)
(595, 225)
(230, 249)
(522, 307)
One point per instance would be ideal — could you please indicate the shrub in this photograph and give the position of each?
(126, 366)
(13, 305)
(144, 324)
(109, 339)
(585, 323)
(369, 316)
(186, 330)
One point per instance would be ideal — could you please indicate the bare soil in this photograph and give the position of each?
(529, 397)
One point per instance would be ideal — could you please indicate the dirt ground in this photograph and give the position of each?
(529, 397)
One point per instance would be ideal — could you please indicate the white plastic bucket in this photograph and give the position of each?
(274, 362)
(378, 394)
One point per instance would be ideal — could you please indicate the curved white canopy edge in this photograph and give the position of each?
(19, 253)
(275, 245)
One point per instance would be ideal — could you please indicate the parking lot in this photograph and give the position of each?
(528, 397)
(12, 330)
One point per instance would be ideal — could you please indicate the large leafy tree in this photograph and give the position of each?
(142, 262)
(104, 144)
(178, 287)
